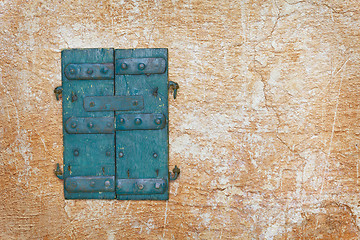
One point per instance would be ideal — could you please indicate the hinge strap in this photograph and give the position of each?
(113, 103)
(123, 122)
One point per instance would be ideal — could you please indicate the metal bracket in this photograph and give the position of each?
(176, 173)
(58, 172)
(58, 92)
(174, 86)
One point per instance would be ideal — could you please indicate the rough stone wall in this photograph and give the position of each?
(265, 127)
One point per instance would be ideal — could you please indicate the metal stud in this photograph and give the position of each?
(155, 155)
(122, 121)
(73, 125)
(157, 185)
(140, 186)
(72, 71)
(138, 121)
(135, 103)
(90, 71)
(90, 124)
(124, 66)
(121, 154)
(141, 66)
(104, 70)
(92, 104)
(92, 184)
(76, 153)
(158, 121)
(107, 183)
(73, 97)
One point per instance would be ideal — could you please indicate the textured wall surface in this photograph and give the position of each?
(265, 127)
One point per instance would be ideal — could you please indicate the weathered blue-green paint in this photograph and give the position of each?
(85, 154)
(115, 124)
(138, 147)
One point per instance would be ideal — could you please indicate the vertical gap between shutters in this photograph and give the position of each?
(114, 126)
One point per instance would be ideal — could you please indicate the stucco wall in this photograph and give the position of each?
(265, 127)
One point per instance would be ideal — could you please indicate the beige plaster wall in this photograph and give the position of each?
(265, 127)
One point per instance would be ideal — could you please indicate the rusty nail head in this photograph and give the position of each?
(158, 121)
(89, 71)
(72, 71)
(92, 104)
(73, 125)
(92, 183)
(155, 155)
(140, 186)
(157, 185)
(121, 154)
(122, 121)
(90, 124)
(135, 103)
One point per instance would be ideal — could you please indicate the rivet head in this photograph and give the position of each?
(90, 125)
(141, 66)
(92, 183)
(124, 66)
(90, 71)
(108, 153)
(122, 121)
(157, 185)
(140, 186)
(155, 155)
(158, 121)
(138, 121)
(74, 98)
(76, 153)
(73, 125)
(72, 71)
(135, 103)
(121, 154)
(92, 104)
(104, 70)
(107, 183)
